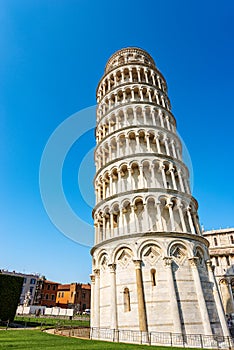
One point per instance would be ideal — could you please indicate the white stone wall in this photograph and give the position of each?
(159, 308)
(222, 255)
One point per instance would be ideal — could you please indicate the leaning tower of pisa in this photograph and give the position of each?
(151, 268)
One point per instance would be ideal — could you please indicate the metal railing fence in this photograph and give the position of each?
(149, 338)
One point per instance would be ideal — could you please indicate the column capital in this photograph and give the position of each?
(92, 278)
(209, 265)
(97, 272)
(180, 204)
(124, 210)
(112, 267)
(137, 263)
(168, 261)
(161, 166)
(169, 204)
(171, 168)
(179, 171)
(193, 261)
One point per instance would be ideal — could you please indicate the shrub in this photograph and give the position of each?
(10, 290)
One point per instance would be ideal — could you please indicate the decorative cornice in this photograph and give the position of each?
(152, 235)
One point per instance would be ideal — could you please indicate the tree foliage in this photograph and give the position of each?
(10, 290)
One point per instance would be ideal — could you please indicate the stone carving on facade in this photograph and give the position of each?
(125, 258)
(151, 255)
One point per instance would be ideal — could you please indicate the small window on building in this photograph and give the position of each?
(232, 240)
(227, 260)
(25, 280)
(71, 294)
(31, 290)
(32, 281)
(48, 287)
(62, 294)
(83, 295)
(84, 307)
(126, 295)
(215, 241)
(216, 261)
(52, 297)
(58, 294)
(47, 296)
(153, 277)
(54, 287)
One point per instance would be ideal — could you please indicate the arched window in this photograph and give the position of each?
(215, 241)
(200, 257)
(153, 277)
(126, 294)
(232, 240)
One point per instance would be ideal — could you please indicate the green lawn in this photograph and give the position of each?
(45, 321)
(37, 340)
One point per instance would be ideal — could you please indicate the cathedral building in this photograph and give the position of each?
(151, 266)
(221, 251)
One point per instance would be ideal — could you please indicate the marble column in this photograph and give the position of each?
(200, 296)
(180, 209)
(217, 299)
(96, 322)
(173, 178)
(113, 298)
(140, 297)
(162, 168)
(172, 294)
(92, 321)
(180, 180)
(190, 221)
(169, 205)
(159, 216)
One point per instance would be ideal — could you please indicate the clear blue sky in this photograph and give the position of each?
(52, 56)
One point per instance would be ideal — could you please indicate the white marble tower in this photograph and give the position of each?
(151, 268)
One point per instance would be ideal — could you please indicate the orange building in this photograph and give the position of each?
(46, 293)
(74, 295)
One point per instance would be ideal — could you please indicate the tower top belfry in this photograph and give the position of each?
(129, 55)
(149, 250)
